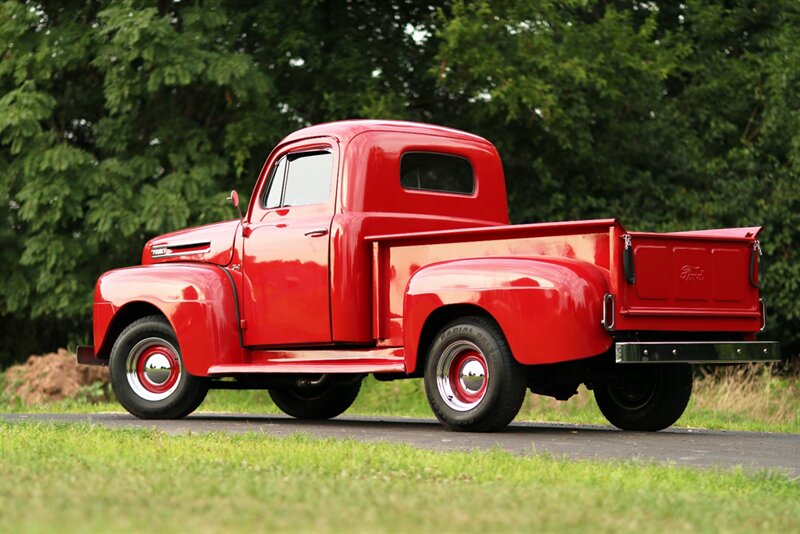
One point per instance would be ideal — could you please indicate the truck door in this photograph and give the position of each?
(285, 261)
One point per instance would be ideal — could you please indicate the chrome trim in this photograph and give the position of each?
(763, 315)
(471, 375)
(178, 253)
(165, 250)
(698, 352)
(319, 232)
(157, 369)
(131, 369)
(604, 321)
(183, 244)
(626, 238)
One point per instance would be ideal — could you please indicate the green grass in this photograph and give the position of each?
(774, 407)
(69, 478)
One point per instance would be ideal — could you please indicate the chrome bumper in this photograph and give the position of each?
(698, 352)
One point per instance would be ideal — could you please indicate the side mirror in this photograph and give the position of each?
(234, 198)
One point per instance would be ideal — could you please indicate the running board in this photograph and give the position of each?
(316, 361)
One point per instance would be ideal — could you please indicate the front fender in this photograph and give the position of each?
(548, 308)
(198, 300)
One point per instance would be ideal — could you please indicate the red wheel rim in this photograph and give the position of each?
(462, 375)
(461, 364)
(153, 369)
(156, 353)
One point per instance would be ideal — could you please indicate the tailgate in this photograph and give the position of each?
(701, 281)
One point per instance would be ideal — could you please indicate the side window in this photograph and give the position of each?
(443, 173)
(308, 180)
(299, 180)
(272, 198)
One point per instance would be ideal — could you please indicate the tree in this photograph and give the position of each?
(123, 120)
(667, 116)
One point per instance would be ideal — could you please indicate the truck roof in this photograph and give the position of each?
(345, 130)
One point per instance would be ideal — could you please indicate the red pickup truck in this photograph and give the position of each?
(384, 248)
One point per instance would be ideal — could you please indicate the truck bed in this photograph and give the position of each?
(687, 281)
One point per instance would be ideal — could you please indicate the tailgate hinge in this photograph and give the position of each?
(627, 260)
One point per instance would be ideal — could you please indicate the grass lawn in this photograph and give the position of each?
(57, 478)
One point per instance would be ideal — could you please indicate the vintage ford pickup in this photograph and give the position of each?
(384, 248)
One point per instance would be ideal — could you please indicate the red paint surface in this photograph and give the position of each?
(356, 299)
(196, 299)
(691, 281)
(539, 302)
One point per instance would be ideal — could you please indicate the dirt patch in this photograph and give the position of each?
(54, 377)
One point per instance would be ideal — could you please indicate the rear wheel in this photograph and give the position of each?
(650, 398)
(148, 375)
(307, 400)
(472, 381)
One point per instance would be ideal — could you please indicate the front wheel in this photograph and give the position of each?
(649, 398)
(472, 381)
(148, 375)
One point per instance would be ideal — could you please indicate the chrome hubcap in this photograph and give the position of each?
(153, 369)
(472, 376)
(462, 375)
(157, 368)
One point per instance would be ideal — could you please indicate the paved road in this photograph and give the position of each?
(695, 448)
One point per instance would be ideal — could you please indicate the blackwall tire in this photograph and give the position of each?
(650, 398)
(324, 402)
(148, 375)
(472, 381)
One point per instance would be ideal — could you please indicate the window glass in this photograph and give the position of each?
(273, 197)
(308, 180)
(436, 172)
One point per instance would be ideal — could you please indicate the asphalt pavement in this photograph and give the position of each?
(681, 447)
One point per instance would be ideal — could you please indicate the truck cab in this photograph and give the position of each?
(383, 247)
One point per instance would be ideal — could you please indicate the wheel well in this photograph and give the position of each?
(125, 316)
(436, 321)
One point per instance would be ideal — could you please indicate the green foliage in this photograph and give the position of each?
(667, 116)
(123, 120)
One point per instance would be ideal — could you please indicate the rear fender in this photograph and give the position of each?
(198, 300)
(548, 308)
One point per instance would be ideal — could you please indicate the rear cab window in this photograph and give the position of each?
(435, 172)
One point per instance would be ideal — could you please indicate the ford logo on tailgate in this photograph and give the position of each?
(691, 273)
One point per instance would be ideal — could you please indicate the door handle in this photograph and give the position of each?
(319, 232)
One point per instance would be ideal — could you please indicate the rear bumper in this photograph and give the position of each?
(698, 352)
(85, 356)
